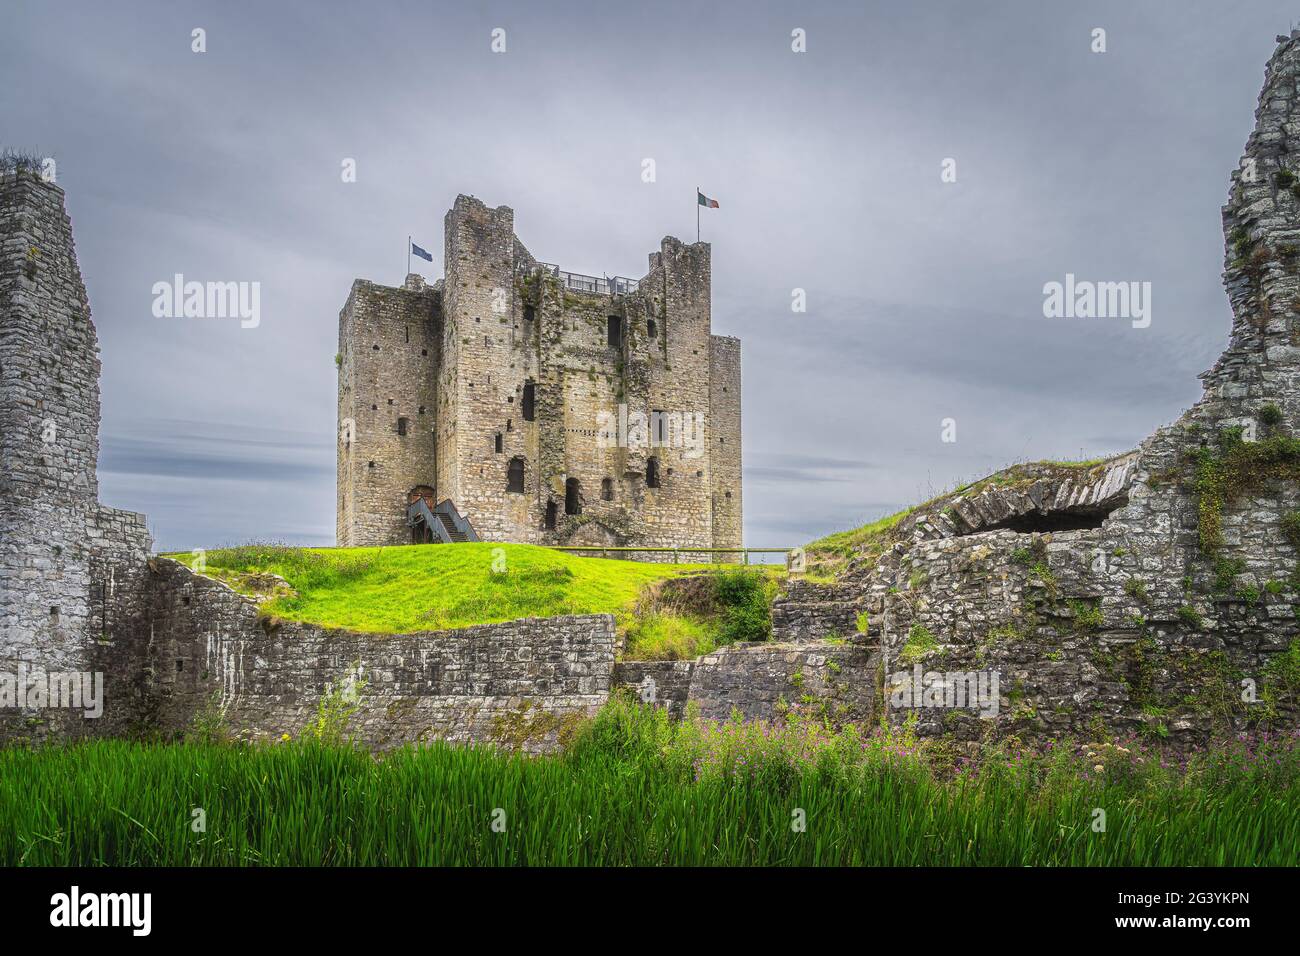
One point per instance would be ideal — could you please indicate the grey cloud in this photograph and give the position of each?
(924, 298)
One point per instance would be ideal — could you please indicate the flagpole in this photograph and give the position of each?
(408, 256)
(697, 213)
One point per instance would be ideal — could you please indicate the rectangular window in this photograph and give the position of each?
(530, 398)
(614, 332)
(401, 426)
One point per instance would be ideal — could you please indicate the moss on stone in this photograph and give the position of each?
(920, 642)
(1237, 468)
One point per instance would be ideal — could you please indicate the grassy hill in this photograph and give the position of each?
(398, 590)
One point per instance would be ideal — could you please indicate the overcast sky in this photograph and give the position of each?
(924, 298)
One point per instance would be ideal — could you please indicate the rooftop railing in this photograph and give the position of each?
(597, 285)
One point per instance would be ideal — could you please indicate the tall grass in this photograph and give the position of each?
(635, 789)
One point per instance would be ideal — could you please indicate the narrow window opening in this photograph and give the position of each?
(572, 497)
(652, 472)
(401, 426)
(652, 328)
(499, 443)
(607, 489)
(530, 313)
(550, 516)
(614, 331)
(530, 398)
(515, 476)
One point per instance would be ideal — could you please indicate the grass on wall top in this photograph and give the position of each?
(830, 555)
(434, 587)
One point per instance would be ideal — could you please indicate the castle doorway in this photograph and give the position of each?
(421, 533)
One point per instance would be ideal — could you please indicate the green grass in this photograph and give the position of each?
(637, 789)
(429, 587)
(668, 637)
(398, 590)
(828, 555)
(919, 643)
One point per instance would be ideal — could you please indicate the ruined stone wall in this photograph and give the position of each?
(49, 427)
(663, 683)
(54, 536)
(517, 683)
(810, 611)
(389, 342)
(770, 681)
(119, 599)
(199, 654)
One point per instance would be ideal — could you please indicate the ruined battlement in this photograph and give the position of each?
(549, 406)
(60, 549)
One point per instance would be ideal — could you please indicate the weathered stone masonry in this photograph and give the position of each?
(211, 653)
(204, 650)
(506, 364)
(66, 561)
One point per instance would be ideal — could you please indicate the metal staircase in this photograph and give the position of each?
(441, 525)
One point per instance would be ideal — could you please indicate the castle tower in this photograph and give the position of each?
(388, 359)
(490, 354)
(60, 551)
(569, 409)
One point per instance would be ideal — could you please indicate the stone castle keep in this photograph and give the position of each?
(547, 407)
(1157, 592)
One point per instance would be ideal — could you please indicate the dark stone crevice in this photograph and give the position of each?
(1080, 519)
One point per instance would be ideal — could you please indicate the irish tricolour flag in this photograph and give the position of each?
(706, 201)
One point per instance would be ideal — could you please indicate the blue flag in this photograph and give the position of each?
(421, 253)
